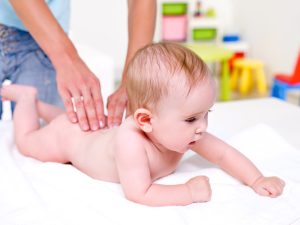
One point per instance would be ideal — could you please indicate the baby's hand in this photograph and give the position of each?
(199, 188)
(268, 186)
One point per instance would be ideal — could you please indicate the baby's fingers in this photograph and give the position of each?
(279, 188)
(270, 190)
(273, 191)
(282, 183)
(276, 188)
(262, 191)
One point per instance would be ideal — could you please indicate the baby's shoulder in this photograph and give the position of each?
(128, 136)
(129, 146)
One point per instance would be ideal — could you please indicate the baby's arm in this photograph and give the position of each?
(135, 178)
(237, 165)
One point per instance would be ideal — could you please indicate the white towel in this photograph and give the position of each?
(32, 192)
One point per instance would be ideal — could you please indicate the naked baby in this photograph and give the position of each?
(170, 92)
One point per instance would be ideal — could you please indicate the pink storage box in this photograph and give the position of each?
(174, 28)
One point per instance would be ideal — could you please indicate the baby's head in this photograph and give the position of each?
(158, 68)
(170, 92)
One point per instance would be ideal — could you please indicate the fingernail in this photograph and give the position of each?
(101, 124)
(74, 119)
(85, 127)
(115, 125)
(94, 127)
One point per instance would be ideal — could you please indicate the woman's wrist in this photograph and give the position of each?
(63, 56)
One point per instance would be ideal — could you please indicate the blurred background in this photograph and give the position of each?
(266, 31)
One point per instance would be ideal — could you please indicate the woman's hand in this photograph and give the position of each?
(116, 105)
(75, 81)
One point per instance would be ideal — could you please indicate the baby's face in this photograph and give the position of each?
(181, 118)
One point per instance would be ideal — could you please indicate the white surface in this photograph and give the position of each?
(32, 192)
(229, 118)
(238, 46)
(204, 23)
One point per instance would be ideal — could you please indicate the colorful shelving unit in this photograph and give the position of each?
(174, 21)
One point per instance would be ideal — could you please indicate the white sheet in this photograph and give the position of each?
(32, 192)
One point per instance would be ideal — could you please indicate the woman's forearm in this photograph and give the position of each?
(45, 29)
(141, 25)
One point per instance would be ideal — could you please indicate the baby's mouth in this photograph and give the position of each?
(192, 142)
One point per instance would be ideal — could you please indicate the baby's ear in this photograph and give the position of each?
(142, 117)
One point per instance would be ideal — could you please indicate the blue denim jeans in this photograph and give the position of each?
(22, 61)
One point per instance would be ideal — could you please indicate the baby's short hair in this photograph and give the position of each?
(153, 66)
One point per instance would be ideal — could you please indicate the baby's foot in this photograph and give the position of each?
(15, 92)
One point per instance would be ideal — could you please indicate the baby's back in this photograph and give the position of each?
(91, 152)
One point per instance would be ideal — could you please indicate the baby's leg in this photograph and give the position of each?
(30, 139)
(25, 116)
(45, 111)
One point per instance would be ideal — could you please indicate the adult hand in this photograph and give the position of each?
(116, 104)
(75, 80)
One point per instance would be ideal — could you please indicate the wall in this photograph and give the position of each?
(269, 26)
(102, 25)
(272, 29)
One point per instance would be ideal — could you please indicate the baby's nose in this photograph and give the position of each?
(199, 130)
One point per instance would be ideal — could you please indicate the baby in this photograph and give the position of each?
(170, 92)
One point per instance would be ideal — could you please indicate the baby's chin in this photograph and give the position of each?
(182, 151)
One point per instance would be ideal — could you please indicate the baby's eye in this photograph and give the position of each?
(190, 120)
